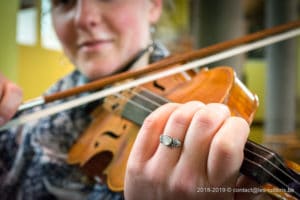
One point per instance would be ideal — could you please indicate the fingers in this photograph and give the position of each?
(147, 140)
(10, 99)
(210, 156)
(203, 128)
(176, 127)
(226, 151)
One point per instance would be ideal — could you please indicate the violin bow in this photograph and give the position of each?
(172, 65)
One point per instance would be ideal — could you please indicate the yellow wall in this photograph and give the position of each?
(39, 68)
(32, 67)
(8, 47)
(255, 81)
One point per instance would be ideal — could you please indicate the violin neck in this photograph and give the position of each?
(266, 166)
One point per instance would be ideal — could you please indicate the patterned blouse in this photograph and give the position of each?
(33, 156)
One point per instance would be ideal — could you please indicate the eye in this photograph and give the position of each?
(63, 3)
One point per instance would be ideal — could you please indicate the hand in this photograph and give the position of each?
(10, 98)
(209, 158)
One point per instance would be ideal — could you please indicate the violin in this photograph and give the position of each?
(103, 149)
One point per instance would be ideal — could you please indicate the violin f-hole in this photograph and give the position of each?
(157, 85)
(111, 134)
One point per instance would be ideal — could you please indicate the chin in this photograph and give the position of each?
(97, 66)
(97, 72)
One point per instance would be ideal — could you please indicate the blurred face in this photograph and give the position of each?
(101, 36)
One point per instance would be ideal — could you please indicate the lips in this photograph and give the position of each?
(94, 45)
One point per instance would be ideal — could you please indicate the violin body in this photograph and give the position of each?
(109, 138)
(104, 148)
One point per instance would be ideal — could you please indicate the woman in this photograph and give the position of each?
(101, 38)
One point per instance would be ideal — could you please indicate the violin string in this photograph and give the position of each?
(271, 163)
(277, 159)
(145, 98)
(133, 102)
(129, 100)
(272, 175)
(269, 152)
(287, 187)
(148, 99)
(156, 95)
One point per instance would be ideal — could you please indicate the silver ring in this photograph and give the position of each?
(169, 141)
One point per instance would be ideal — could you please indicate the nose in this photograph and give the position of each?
(87, 14)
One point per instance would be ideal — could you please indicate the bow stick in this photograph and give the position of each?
(201, 57)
